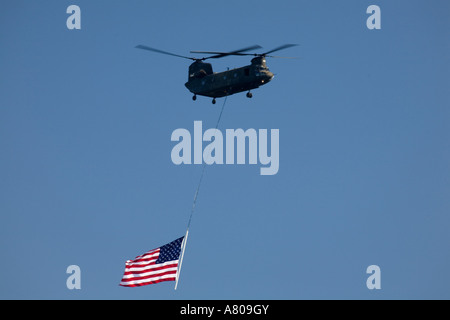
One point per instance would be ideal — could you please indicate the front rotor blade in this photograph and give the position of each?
(163, 52)
(281, 57)
(285, 46)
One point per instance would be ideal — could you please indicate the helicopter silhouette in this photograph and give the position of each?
(203, 81)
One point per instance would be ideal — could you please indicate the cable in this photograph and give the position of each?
(203, 169)
(193, 206)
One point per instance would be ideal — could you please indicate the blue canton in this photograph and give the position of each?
(170, 251)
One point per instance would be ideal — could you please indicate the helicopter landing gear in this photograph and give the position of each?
(214, 101)
(194, 97)
(249, 94)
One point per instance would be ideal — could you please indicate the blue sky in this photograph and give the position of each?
(86, 176)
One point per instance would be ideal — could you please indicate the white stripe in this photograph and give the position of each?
(147, 267)
(147, 255)
(137, 275)
(147, 280)
(140, 263)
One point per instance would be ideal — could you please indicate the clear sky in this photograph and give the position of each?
(86, 176)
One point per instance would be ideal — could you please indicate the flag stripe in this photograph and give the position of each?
(158, 270)
(140, 263)
(149, 263)
(147, 256)
(143, 283)
(150, 278)
(154, 267)
(150, 275)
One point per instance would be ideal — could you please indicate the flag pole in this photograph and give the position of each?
(183, 247)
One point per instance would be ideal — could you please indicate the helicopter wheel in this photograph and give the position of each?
(249, 94)
(214, 101)
(194, 97)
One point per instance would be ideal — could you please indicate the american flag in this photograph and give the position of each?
(154, 266)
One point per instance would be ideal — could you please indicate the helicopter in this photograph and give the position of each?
(203, 81)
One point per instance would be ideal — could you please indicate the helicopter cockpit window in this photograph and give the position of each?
(200, 70)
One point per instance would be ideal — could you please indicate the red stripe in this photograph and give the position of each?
(146, 258)
(148, 252)
(146, 283)
(150, 262)
(151, 270)
(150, 276)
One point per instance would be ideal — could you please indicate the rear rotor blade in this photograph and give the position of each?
(163, 52)
(240, 52)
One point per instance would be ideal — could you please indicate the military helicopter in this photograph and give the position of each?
(203, 81)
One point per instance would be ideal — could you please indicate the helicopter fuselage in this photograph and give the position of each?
(204, 82)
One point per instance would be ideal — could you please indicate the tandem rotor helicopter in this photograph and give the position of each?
(203, 81)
